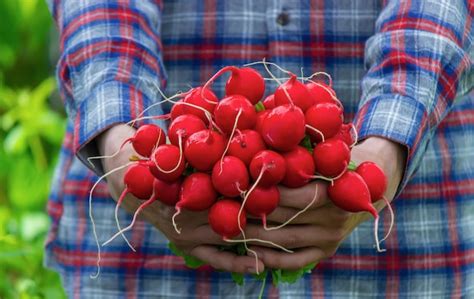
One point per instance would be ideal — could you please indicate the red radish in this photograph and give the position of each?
(326, 118)
(227, 110)
(224, 218)
(299, 167)
(273, 166)
(147, 138)
(242, 81)
(203, 98)
(269, 102)
(184, 126)
(246, 82)
(297, 92)
(350, 193)
(167, 163)
(283, 128)
(345, 134)
(375, 179)
(177, 109)
(262, 201)
(331, 157)
(321, 93)
(260, 117)
(245, 145)
(167, 193)
(138, 181)
(230, 177)
(203, 149)
(197, 194)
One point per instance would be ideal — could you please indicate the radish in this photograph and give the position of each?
(167, 163)
(184, 126)
(230, 177)
(345, 134)
(203, 149)
(325, 119)
(293, 92)
(283, 128)
(350, 193)
(259, 121)
(272, 165)
(177, 109)
(245, 145)
(139, 182)
(242, 81)
(224, 220)
(167, 193)
(228, 109)
(269, 102)
(321, 93)
(331, 157)
(376, 181)
(200, 97)
(299, 167)
(262, 201)
(197, 194)
(146, 139)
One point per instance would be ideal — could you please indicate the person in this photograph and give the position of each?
(403, 70)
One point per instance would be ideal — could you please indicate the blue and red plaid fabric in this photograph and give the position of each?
(403, 70)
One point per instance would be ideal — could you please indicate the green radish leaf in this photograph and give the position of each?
(306, 143)
(352, 165)
(189, 260)
(259, 107)
(238, 278)
(291, 276)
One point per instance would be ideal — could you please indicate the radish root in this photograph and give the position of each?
(230, 139)
(315, 197)
(392, 219)
(317, 131)
(119, 202)
(135, 215)
(91, 216)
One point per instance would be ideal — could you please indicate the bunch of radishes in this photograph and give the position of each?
(229, 155)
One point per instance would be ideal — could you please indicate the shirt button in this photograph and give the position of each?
(283, 19)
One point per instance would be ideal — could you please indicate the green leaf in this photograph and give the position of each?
(259, 107)
(189, 260)
(276, 277)
(16, 141)
(291, 276)
(306, 143)
(238, 278)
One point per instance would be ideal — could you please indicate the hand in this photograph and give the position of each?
(196, 238)
(321, 229)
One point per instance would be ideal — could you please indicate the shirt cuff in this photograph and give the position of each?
(401, 119)
(109, 104)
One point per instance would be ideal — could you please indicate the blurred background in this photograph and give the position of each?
(32, 124)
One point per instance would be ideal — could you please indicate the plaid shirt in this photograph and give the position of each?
(413, 59)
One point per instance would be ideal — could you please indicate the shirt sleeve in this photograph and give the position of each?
(418, 61)
(110, 64)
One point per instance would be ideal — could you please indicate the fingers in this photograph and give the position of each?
(299, 198)
(290, 261)
(297, 236)
(325, 216)
(227, 261)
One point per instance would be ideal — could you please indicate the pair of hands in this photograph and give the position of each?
(313, 236)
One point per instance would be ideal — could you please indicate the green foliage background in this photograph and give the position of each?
(30, 138)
